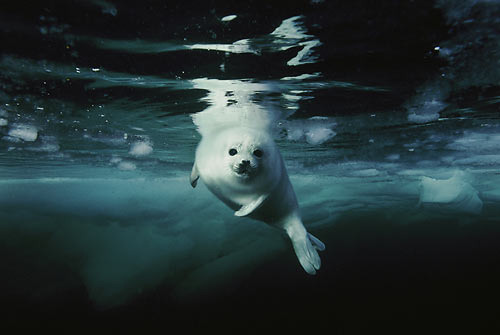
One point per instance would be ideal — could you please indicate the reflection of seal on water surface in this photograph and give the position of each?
(243, 167)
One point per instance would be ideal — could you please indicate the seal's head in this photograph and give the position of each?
(244, 160)
(247, 153)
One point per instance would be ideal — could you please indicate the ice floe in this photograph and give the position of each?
(126, 166)
(426, 105)
(25, 132)
(141, 148)
(315, 130)
(454, 194)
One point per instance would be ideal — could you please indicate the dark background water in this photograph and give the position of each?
(433, 277)
(388, 267)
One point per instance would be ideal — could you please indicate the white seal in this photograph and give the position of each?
(243, 168)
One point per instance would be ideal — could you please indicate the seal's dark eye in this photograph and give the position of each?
(258, 153)
(233, 151)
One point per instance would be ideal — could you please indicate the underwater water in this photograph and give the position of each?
(387, 116)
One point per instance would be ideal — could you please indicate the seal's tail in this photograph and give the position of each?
(316, 242)
(306, 248)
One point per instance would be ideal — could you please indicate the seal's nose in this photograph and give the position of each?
(243, 167)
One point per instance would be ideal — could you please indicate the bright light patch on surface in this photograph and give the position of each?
(228, 18)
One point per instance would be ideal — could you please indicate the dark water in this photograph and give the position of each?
(386, 113)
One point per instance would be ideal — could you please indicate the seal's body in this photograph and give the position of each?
(243, 167)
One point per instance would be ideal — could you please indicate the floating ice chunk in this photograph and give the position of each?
(319, 135)
(48, 144)
(454, 194)
(422, 118)
(393, 157)
(428, 111)
(303, 76)
(46, 147)
(366, 173)
(478, 160)
(295, 134)
(126, 166)
(115, 160)
(24, 132)
(228, 18)
(114, 139)
(315, 130)
(480, 148)
(11, 139)
(140, 149)
(426, 105)
(476, 142)
(122, 165)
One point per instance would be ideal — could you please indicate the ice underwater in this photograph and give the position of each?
(390, 138)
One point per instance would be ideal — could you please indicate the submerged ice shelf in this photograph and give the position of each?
(157, 230)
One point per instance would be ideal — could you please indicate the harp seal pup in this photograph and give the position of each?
(243, 168)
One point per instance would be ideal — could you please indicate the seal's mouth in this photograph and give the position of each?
(244, 169)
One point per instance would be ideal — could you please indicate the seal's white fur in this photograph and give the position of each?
(259, 188)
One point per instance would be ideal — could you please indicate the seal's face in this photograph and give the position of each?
(246, 155)
(245, 161)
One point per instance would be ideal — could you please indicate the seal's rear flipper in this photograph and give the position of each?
(195, 175)
(316, 242)
(306, 246)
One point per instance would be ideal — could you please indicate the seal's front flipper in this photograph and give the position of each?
(305, 245)
(195, 175)
(249, 208)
